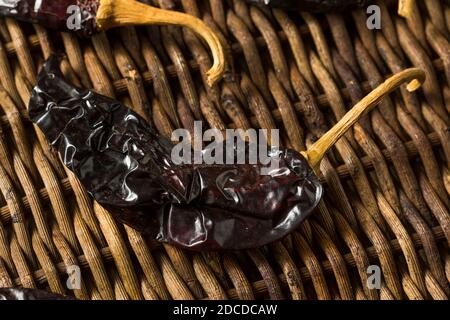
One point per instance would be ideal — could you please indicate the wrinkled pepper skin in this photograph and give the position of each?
(52, 14)
(311, 5)
(126, 166)
(29, 294)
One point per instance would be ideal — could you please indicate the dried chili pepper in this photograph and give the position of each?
(89, 16)
(29, 294)
(52, 14)
(311, 5)
(127, 167)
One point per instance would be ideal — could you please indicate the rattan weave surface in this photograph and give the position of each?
(387, 182)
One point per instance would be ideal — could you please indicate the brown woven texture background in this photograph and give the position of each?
(387, 181)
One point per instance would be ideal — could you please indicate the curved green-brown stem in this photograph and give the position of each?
(405, 8)
(115, 13)
(317, 151)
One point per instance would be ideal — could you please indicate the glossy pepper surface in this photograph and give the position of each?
(127, 167)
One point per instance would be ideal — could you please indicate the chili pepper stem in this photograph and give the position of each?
(317, 151)
(115, 13)
(405, 7)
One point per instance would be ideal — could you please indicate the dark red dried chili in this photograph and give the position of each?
(53, 14)
(126, 166)
(29, 294)
(311, 5)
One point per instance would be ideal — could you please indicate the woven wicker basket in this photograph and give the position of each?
(387, 182)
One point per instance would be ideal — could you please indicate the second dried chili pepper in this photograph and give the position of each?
(86, 17)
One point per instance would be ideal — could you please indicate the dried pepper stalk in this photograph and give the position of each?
(311, 5)
(405, 8)
(127, 167)
(29, 294)
(99, 15)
